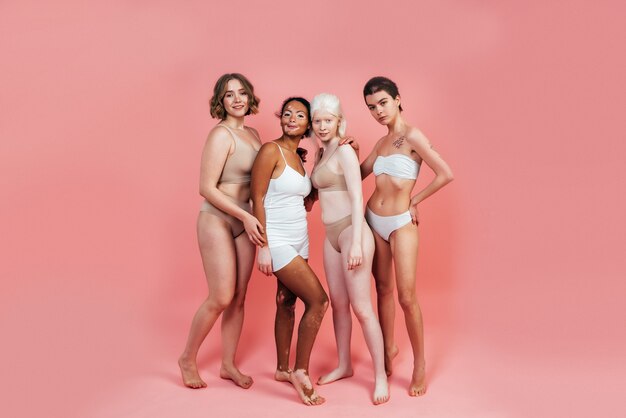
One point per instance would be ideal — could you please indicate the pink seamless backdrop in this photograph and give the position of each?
(103, 114)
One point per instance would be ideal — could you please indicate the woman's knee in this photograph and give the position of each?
(340, 305)
(324, 301)
(219, 303)
(239, 299)
(363, 312)
(407, 300)
(384, 288)
(285, 301)
(318, 303)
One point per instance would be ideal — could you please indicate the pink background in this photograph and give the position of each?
(103, 114)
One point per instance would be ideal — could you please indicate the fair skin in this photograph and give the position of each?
(348, 271)
(227, 261)
(392, 196)
(296, 279)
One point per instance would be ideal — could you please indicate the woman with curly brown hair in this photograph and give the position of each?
(227, 252)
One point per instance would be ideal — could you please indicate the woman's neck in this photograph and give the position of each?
(233, 122)
(331, 144)
(290, 142)
(397, 125)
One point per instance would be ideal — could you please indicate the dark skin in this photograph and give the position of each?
(296, 279)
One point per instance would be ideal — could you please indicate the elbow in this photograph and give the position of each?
(204, 192)
(448, 177)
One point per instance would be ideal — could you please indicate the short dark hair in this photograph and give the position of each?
(379, 83)
(219, 91)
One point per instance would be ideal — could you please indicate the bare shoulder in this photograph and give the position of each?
(379, 142)
(417, 139)
(346, 152)
(268, 149)
(219, 134)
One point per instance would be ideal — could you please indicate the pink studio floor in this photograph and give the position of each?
(121, 362)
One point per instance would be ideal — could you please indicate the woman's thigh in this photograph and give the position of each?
(298, 277)
(218, 252)
(404, 246)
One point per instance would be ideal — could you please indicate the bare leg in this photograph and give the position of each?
(232, 318)
(283, 330)
(404, 244)
(358, 288)
(384, 296)
(219, 267)
(335, 266)
(298, 277)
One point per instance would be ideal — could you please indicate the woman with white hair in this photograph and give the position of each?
(349, 244)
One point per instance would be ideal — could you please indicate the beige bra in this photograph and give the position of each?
(238, 165)
(325, 180)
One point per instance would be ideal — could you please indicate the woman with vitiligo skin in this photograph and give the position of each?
(227, 231)
(349, 244)
(392, 214)
(279, 187)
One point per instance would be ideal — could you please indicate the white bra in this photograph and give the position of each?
(396, 165)
(289, 189)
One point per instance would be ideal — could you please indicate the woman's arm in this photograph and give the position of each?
(214, 155)
(368, 164)
(313, 196)
(443, 173)
(262, 170)
(349, 163)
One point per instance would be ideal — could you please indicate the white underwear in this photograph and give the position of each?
(282, 255)
(385, 225)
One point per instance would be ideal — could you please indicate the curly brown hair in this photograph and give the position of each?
(219, 91)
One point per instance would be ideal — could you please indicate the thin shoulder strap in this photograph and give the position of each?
(281, 152)
(333, 153)
(253, 132)
(232, 134)
(329, 157)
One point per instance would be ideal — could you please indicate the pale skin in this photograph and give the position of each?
(348, 271)
(227, 261)
(296, 279)
(392, 196)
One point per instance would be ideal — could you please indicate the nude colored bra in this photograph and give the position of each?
(325, 180)
(396, 165)
(239, 164)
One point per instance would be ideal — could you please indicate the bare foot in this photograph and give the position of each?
(300, 380)
(389, 356)
(338, 373)
(282, 375)
(418, 383)
(236, 376)
(381, 391)
(189, 371)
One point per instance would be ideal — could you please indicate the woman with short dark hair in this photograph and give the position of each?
(392, 214)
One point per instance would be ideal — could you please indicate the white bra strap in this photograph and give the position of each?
(281, 152)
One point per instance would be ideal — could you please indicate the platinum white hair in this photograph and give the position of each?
(330, 103)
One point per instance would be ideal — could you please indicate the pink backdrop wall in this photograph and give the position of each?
(103, 114)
